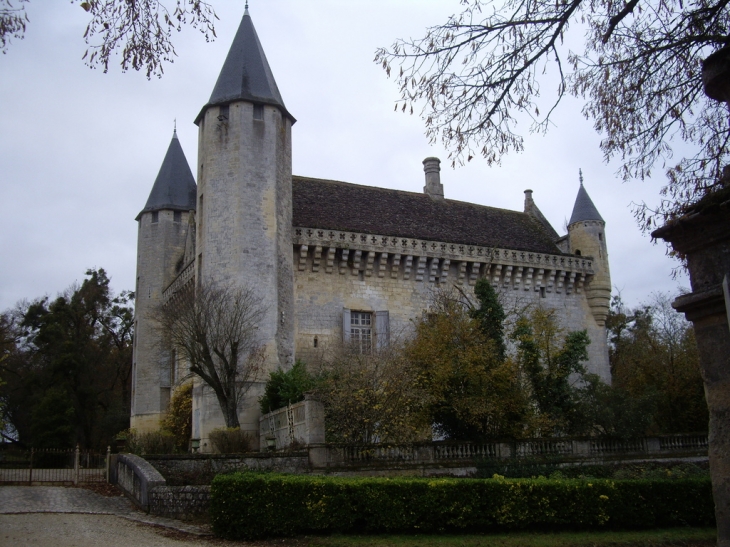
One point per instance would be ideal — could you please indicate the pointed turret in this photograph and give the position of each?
(163, 227)
(174, 187)
(587, 237)
(246, 75)
(584, 208)
(244, 214)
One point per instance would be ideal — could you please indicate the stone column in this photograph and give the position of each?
(703, 237)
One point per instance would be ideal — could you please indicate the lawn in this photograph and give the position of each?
(675, 537)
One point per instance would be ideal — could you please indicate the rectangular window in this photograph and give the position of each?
(258, 112)
(361, 330)
(223, 113)
(176, 216)
(155, 216)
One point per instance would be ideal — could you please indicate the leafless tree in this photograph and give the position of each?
(13, 20)
(140, 31)
(214, 329)
(481, 72)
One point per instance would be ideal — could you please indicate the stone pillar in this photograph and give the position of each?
(702, 235)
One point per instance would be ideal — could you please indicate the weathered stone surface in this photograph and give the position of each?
(703, 236)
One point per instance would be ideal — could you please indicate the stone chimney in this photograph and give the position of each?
(432, 168)
(529, 204)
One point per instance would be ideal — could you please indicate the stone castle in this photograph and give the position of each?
(332, 261)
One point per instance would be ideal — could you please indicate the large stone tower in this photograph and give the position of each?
(587, 236)
(162, 230)
(244, 213)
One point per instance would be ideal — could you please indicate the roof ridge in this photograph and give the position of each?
(420, 194)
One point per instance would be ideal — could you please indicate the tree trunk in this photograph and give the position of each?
(703, 236)
(229, 408)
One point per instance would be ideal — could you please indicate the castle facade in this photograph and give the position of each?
(332, 261)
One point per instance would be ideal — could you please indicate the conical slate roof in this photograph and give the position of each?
(174, 186)
(246, 74)
(584, 208)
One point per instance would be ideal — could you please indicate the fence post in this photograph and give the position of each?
(76, 466)
(30, 475)
(108, 460)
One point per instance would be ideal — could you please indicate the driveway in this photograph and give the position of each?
(53, 516)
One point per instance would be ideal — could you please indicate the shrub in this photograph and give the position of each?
(179, 418)
(254, 505)
(152, 442)
(286, 387)
(231, 440)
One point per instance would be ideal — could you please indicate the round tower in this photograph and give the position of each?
(244, 213)
(161, 236)
(587, 237)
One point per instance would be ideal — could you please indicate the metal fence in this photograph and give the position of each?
(49, 466)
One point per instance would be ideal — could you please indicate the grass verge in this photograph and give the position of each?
(673, 537)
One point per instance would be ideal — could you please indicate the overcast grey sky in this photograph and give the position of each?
(79, 149)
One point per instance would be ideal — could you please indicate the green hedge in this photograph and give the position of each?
(252, 505)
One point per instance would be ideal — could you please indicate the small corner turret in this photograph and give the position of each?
(162, 233)
(587, 237)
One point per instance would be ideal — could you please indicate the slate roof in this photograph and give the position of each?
(584, 208)
(334, 205)
(174, 186)
(246, 74)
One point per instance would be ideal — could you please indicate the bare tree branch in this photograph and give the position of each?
(477, 75)
(214, 329)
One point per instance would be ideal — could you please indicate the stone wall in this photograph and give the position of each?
(160, 246)
(329, 279)
(244, 217)
(201, 468)
(299, 424)
(180, 502)
(136, 477)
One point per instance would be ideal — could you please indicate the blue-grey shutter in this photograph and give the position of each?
(382, 329)
(346, 325)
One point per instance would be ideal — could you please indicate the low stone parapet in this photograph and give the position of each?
(148, 489)
(136, 477)
(179, 502)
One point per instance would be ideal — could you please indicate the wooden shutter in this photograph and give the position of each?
(346, 325)
(382, 329)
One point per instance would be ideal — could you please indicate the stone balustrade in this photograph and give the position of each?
(333, 455)
(185, 277)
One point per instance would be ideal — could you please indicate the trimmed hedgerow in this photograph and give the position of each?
(253, 505)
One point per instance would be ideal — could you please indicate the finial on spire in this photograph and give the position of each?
(245, 11)
(580, 176)
(174, 128)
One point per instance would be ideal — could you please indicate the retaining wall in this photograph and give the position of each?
(179, 502)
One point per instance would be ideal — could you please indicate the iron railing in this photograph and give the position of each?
(52, 466)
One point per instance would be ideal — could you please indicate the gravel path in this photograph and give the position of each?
(87, 530)
(52, 516)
